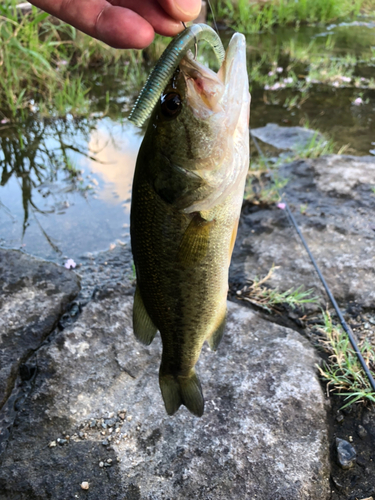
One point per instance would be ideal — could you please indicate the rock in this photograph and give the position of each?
(346, 454)
(336, 225)
(263, 434)
(33, 296)
(290, 138)
(344, 175)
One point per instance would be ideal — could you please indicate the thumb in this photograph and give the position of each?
(182, 10)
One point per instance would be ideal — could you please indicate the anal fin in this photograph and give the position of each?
(216, 337)
(144, 328)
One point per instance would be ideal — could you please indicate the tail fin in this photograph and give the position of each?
(179, 390)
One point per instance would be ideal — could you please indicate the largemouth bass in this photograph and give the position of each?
(186, 200)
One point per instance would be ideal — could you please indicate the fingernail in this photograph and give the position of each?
(189, 8)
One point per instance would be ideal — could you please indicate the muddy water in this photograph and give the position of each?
(65, 184)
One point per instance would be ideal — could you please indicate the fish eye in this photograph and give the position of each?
(171, 104)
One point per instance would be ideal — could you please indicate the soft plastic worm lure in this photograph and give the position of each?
(166, 66)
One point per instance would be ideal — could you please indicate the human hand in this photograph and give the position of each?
(123, 24)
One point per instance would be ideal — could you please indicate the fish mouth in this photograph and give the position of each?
(208, 92)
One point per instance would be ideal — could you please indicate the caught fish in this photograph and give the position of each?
(186, 200)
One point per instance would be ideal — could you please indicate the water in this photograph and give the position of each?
(65, 184)
(52, 214)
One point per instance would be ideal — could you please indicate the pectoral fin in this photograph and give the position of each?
(194, 243)
(144, 328)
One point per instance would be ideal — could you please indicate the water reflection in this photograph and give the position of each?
(65, 184)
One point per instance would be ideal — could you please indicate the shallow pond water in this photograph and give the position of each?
(65, 183)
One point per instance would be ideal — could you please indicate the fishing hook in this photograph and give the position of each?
(195, 43)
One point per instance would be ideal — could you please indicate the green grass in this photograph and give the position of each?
(45, 65)
(252, 17)
(266, 298)
(264, 189)
(343, 372)
(318, 146)
(264, 185)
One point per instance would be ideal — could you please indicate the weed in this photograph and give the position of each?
(373, 189)
(258, 294)
(343, 371)
(43, 64)
(263, 184)
(317, 146)
(250, 17)
(262, 187)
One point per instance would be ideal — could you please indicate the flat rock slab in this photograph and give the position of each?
(263, 434)
(33, 296)
(334, 205)
(287, 138)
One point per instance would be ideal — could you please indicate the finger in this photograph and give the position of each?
(114, 25)
(150, 10)
(182, 10)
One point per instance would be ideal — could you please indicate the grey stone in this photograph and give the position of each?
(362, 433)
(33, 296)
(290, 138)
(346, 454)
(342, 174)
(339, 208)
(263, 434)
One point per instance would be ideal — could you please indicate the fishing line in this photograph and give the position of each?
(213, 16)
(321, 277)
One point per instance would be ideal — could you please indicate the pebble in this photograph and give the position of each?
(346, 454)
(101, 464)
(61, 442)
(340, 418)
(362, 433)
(367, 417)
(105, 442)
(52, 444)
(85, 485)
